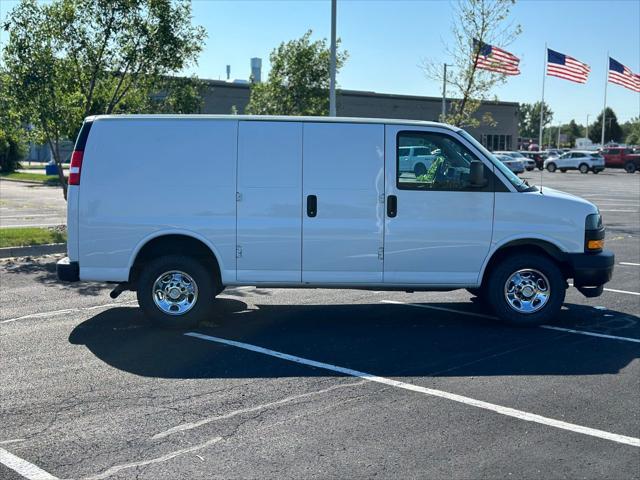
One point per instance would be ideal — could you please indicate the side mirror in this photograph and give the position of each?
(478, 179)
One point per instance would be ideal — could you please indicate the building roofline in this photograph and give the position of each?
(360, 93)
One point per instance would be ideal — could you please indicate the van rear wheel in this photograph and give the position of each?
(176, 291)
(526, 290)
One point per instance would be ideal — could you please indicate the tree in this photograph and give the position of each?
(298, 82)
(632, 131)
(476, 22)
(529, 119)
(69, 59)
(12, 135)
(612, 130)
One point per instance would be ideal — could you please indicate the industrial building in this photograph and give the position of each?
(224, 97)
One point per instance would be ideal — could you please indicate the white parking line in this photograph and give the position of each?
(66, 310)
(591, 334)
(631, 264)
(507, 411)
(550, 327)
(24, 468)
(621, 291)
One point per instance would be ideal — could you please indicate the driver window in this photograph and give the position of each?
(439, 162)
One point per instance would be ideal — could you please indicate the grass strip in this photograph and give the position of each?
(24, 236)
(32, 177)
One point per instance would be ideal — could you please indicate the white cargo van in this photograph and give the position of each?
(179, 207)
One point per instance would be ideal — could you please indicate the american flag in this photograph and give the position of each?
(564, 66)
(622, 75)
(496, 60)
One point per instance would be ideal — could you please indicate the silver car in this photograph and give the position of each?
(515, 165)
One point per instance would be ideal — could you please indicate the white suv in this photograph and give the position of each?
(576, 160)
(415, 159)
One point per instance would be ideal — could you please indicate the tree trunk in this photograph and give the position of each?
(55, 151)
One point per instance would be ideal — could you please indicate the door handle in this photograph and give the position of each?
(392, 206)
(312, 205)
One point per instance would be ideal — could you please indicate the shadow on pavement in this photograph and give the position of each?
(383, 339)
(44, 272)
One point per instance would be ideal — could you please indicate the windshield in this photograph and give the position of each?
(516, 181)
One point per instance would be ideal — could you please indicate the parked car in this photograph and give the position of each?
(529, 165)
(416, 159)
(311, 202)
(515, 165)
(553, 152)
(582, 160)
(621, 157)
(537, 157)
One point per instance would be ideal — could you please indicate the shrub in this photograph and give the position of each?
(12, 151)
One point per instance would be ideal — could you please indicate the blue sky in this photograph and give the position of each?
(388, 39)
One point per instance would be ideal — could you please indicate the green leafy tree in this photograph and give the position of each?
(298, 81)
(486, 21)
(529, 119)
(68, 59)
(612, 130)
(12, 135)
(632, 131)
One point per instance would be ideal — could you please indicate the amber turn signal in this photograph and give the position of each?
(595, 244)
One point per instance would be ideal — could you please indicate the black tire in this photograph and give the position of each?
(540, 168)
(584, 168)
(595, 172)
(551, 167)
(419, 169)
(630, 167)
(201, 276)
(563, 170)
(505, 269)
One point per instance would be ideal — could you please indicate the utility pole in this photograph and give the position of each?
(558, 144)
(444, 93)
(587, 127)
(332, 65)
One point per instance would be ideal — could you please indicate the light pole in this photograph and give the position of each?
(332, 65)
(587, 127)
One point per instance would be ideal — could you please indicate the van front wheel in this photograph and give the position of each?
(526, 290)
(175, 291)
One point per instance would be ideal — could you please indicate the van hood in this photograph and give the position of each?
(557, 194)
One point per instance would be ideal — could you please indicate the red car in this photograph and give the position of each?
(621, 157)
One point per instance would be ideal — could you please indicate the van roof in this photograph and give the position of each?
(278, 118)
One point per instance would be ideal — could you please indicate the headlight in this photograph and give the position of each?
(593, 233)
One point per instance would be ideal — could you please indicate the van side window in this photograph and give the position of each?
(439, 163)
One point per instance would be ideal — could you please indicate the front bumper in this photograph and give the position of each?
(590, 271)
(67, 270)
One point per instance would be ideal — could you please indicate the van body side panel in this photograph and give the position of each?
(270, 201)
(343, 169)
(436, 237)
(73, 200)
(145, 176)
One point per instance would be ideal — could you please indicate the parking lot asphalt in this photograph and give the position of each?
(28, 205)
(325, 383)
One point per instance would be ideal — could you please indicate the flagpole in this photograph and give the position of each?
(604, 108)
(544, 74)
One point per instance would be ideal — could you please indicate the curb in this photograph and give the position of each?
(28, 182)
(33, 250)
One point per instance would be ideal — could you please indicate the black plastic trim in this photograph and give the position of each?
(83, 135)
(67, 270)
(591, 269)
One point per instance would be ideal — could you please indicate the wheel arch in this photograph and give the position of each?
(522, 245)
(174, 242)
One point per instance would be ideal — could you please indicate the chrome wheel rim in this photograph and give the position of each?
(175, 292)
(527, 291)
